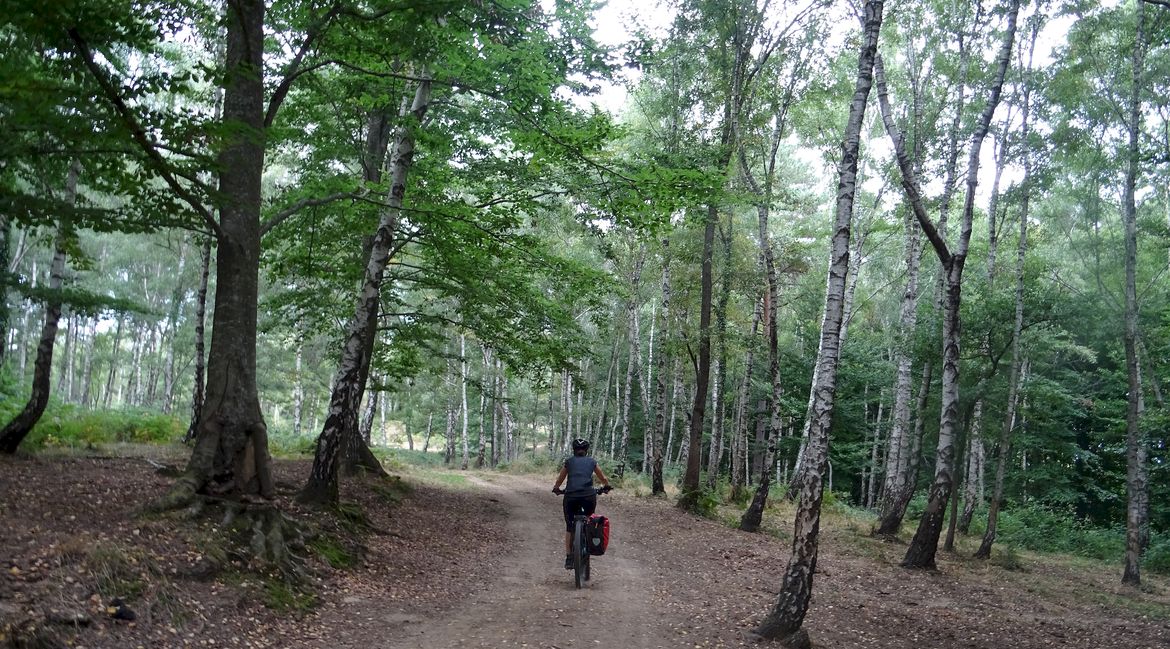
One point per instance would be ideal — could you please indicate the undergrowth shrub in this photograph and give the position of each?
(1045, 529)
(68, 426)
(1157, 559)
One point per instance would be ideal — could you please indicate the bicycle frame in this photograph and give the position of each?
(580, 549)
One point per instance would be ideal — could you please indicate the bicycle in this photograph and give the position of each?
(581, 569)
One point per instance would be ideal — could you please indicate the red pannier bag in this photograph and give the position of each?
(597, 537)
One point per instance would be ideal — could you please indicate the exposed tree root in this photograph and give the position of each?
(274, 542)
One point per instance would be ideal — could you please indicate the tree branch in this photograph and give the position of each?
(291, 70)
(139, 133)
(905, 166)
(284, 214)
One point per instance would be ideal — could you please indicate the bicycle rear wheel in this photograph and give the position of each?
(580, 559)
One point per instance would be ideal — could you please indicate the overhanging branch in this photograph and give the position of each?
(284, 214)
(139, 133)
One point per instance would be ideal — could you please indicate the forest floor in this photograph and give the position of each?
(474, 560)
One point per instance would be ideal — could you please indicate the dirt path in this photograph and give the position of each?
(533, 602)
(472, 559)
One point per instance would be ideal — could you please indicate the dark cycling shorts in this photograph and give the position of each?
(574, 505)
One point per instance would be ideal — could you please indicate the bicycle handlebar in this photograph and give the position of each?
(599, 490)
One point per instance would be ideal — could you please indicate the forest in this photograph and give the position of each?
(724, 241)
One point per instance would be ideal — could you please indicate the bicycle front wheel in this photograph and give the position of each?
(580, 559)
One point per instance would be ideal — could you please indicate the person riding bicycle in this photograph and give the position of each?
(580, 496)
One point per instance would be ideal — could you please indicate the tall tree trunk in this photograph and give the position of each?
(875, 455)
(111, 374)
(715, 455)
(366, 430)
(66, 349)
(675, 396)
(481, 451)
(972, 476)
(463, 379)
(231, 447)
(739, 458)
(552, 420)
(603, 414)
(787, 615)
(632, 360)
(298, 393)
(22, 424)
(1136, 480)
(753, 515)
(449, 445)
(198, 392)
(353, 367)
(87, 380)
(689, 498)
(897, 477)
(657, 484)
(1009, 421)
(5, 309)
(925, 543)
(172, 331)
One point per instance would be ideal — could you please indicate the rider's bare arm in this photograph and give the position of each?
(600, 475)
(561, 478)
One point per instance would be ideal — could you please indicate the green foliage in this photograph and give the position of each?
(701, 502)
(284, 597)
(1157, 556)
(282, 443)
(333, 552)
(1042, 528)
(69, 426)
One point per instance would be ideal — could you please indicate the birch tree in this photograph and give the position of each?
(786, 617)
(925, 543)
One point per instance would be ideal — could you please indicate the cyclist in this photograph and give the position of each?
(580, 497)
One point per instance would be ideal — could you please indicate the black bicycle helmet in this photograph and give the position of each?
(580, 444)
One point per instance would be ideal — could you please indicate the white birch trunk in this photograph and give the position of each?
(787, 615)
(463, 379)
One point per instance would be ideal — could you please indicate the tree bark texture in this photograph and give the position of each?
(715, 455)
(197, 393)
(972, 476)
(231, 446)
(897, 477)
(632, 359)
(357, 351)
(463, 379)
(690, 485)
(1136, 479)
(657, 485)
(22, 424)
(924, 545)
(785, 619)
(739, 460)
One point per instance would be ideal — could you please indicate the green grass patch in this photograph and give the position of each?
(333, 553)
(116, 570)
(67, 426)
